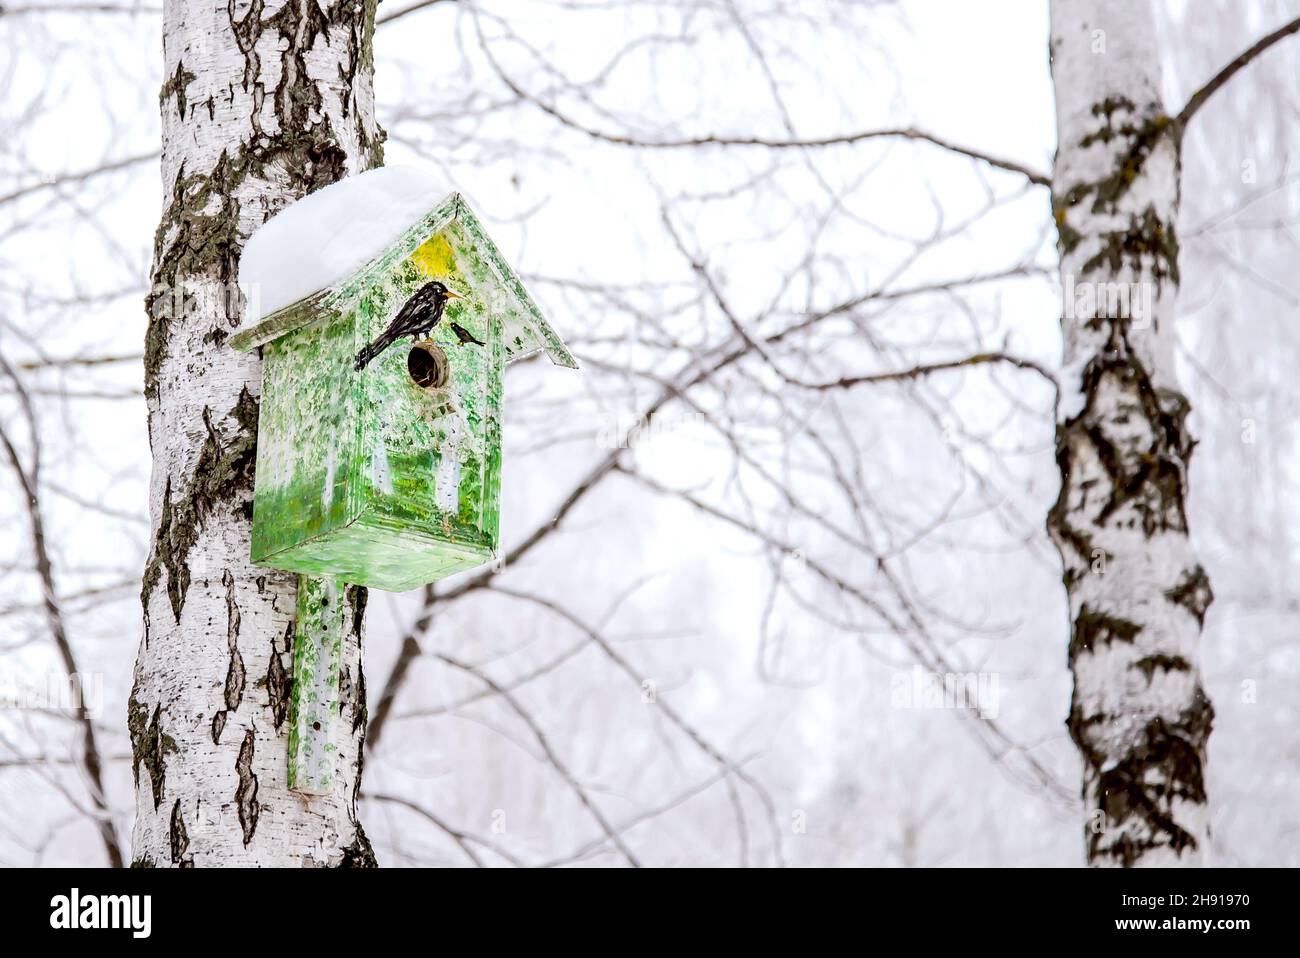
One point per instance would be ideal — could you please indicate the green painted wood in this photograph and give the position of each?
(365, 475)
(314, 703)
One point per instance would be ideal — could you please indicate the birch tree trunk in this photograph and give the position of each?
(264, 102)
(1137, 595)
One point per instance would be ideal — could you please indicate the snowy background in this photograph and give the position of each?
(718, 638)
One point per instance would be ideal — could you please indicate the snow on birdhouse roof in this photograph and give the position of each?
(293, 264)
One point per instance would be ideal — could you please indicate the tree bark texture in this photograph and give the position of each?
(264, 102)
(1137, 594)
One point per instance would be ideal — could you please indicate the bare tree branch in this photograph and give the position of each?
(66, 179)
(772, 143)
(1199, 98)
(398, 14)
(541, 739)
(40, 8)
(29, 479)
(459, 837)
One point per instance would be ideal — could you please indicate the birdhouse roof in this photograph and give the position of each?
(306, 259)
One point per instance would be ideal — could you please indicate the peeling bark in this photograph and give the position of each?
(1137, 594)
(264, 102)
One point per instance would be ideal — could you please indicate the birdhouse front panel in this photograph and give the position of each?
(379, 435)
(387, 476)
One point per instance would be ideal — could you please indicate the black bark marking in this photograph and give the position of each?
(357, 597)
(180, 839)
(223, 476)
(235, 676)
(1148, 485)
(149, 746)
(278, 681)
(1140, 131)
(1093, 629)
(175, 86)
(1147, 241)
(192, 243)
(246, 791)
(165, 557)
(359, 711)
(246, 33)
(1166, 765)
(1147, 244)
(359, 854)
(1169, 663)
(1193, 593)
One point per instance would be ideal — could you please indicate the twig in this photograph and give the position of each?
(553, 758)
(78, 177)
(669, 712)
(926, 369)
(460, 838)
(60, 362)
(38, 8)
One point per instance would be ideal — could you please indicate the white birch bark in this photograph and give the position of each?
(1137, 595)
(265, 101)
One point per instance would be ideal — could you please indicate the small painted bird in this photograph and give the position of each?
(465, 336)
(422, 312)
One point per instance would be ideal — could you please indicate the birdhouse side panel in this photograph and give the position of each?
(524, 330)
(306, 447)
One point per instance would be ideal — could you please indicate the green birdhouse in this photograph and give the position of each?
(379, 448)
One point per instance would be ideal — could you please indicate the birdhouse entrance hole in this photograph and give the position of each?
(428, 366)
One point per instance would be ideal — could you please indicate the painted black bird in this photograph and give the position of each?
(464, 335)
(422, 312)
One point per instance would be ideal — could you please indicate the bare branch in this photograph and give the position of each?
(669, 712)
(551, 756)
(397, 14)
(62, 362)
(926, 369)
(29, 481)
(459, 837)
(771, 143)
(407, 653)
(39, 8)
(1199, 98)
(65, 179)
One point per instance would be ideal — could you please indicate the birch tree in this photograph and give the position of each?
(1137, 593)
(263, 103)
